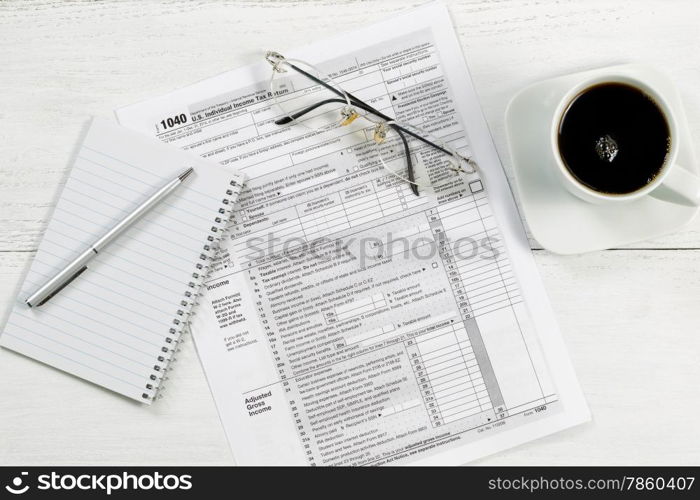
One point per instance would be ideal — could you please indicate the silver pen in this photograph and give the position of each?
(79, 265)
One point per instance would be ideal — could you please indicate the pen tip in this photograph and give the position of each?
(186, 174)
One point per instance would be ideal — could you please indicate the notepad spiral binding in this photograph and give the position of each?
(180, 323)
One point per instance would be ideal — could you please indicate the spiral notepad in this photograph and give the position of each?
(119, 323)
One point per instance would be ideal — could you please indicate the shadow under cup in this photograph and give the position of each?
(614, 138)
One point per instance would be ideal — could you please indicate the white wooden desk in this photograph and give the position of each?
(630, 316)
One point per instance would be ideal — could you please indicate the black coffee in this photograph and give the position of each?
(613, 138)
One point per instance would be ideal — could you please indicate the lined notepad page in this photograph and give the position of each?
(117, 324)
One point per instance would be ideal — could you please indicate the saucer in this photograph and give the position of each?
(560, 221)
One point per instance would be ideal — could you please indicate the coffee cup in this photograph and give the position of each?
(615, 139)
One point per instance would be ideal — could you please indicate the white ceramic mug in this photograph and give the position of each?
(673, 183)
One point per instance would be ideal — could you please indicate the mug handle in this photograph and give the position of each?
(680, 186)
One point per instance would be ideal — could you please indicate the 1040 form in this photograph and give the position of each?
(348, 321)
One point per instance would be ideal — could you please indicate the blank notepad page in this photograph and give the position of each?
(119, 322)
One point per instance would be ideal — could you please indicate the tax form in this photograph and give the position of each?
(347, 321)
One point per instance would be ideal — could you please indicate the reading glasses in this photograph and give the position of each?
(406, 151)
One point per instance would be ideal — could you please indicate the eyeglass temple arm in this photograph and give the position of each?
(409, 163)
(286, 119)
(360, 104)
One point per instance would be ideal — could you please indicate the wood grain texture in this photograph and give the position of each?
(629, 316)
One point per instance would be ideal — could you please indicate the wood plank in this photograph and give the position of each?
(64, 62)
(629, 319)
